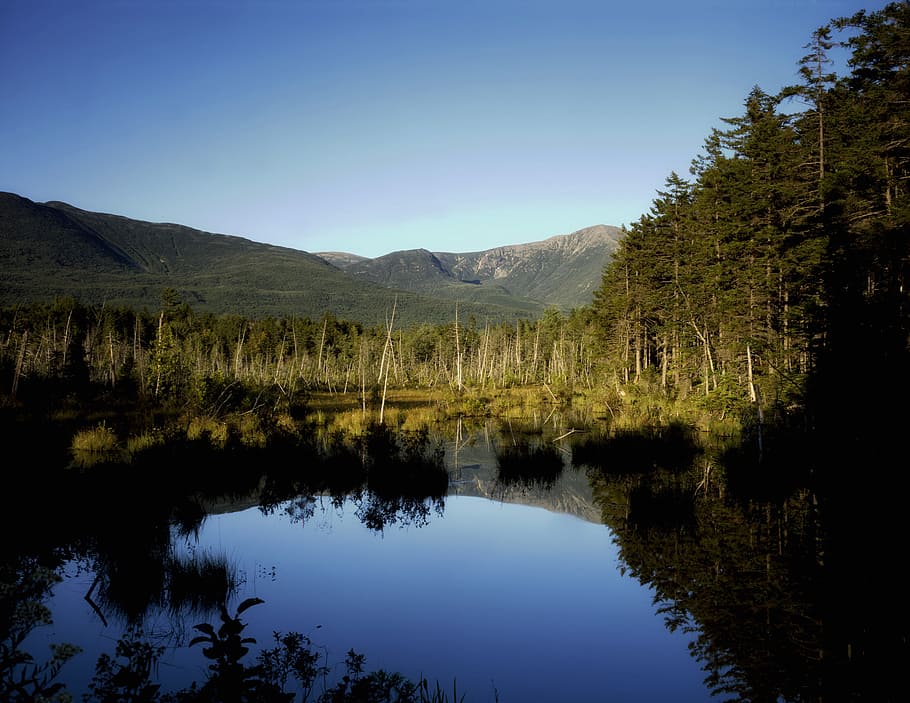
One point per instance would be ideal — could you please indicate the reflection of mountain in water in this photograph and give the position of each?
(474, 471)
(532, 468)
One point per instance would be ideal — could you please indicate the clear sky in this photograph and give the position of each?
(369, 126)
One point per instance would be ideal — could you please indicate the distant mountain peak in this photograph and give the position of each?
(562, 270)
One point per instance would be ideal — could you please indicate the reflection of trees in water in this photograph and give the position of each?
(763, 565)
(25, 586)
(392, 477)
(122, 521)
(753, 580)
(720, 573)
(378, 513)
(527, 464)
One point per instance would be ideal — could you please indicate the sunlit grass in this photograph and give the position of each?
(286, 423)
(208, 428)
(100, 438)
(251, 431)
(347, 422)
(144, 441)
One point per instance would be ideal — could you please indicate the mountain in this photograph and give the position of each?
(560, 271)
(53, 250)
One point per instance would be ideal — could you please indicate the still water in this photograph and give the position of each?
(501, 593)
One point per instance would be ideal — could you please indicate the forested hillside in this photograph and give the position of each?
(780, 267)
(54, 250)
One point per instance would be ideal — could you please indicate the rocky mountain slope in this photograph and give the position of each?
(560, 271)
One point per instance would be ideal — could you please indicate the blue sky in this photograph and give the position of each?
(370, 126)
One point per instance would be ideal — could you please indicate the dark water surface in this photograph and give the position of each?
(491, 597)
(510, 566)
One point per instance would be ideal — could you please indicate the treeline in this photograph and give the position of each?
(175, 353)
(784, 258)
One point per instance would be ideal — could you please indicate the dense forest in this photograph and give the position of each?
(785, 256)
(770, 284)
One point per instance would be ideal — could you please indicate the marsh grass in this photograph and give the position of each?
(252, 433)
(144, 441)
(438, 694)
(100, 438)
(200, 583)
(96, 445)
(209, 428)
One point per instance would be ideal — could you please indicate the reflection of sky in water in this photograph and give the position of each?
(490, 594)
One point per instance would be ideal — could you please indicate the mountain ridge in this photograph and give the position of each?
(561, 270)
(54, 249)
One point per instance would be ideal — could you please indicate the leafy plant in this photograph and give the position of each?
(293, 657)
(231, 681)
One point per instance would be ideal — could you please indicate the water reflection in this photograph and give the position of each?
(529, 465)
(750, 562)
(526, 463)
(739, 552)
(121, 523)
(394, 477)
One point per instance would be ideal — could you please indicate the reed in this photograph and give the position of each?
(437, 694)
(200, 583)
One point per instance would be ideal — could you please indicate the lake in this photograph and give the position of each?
(489, 596)
(548, 567)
